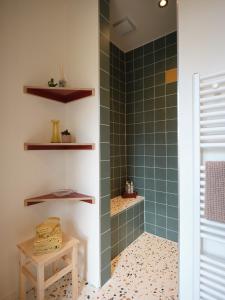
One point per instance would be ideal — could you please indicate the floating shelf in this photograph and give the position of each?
(58, 146)
(51, 198)
(63, 95)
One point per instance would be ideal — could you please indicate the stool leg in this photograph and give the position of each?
(22, 279)
(74, 274)
(54, 267)
(40, 283)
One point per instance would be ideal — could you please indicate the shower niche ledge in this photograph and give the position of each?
(119, 204)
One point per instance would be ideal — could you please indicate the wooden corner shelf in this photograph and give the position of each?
(59, 146)
(51, 198)
(63, 95)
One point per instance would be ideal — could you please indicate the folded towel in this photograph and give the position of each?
(215, 191)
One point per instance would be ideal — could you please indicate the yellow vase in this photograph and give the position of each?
(55, 131)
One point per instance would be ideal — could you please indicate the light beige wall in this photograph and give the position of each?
(201, 49)
(36, 37)
(82, 117)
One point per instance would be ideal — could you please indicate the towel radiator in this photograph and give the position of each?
(209, 144)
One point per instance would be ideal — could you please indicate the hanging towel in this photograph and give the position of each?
(215, 191)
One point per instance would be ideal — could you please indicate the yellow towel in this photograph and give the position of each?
(48, 236)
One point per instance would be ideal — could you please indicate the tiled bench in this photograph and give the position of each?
(127, 222)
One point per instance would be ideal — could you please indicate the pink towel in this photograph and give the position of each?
(215, 191)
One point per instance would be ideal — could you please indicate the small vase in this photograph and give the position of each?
(66, 138)
(55, 131)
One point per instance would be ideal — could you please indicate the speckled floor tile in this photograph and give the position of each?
(146, 270)
(61, 290)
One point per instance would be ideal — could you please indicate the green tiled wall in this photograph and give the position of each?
(126, 227)
(105, 141)
(117, 121)
(151, 127)
(140, 140)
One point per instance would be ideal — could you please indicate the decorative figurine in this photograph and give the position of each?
(55, 131)
(48, 236)
(51, 83)
(62, 81)
(66, 136)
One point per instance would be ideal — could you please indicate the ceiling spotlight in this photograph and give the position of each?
(163, 3)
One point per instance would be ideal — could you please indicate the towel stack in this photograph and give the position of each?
(48, 236)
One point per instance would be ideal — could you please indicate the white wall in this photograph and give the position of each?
(82, 117)
(201, 49)
(36, 37)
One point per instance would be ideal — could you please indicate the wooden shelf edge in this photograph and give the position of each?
(51, 198)
(63, 95)
(59, 146)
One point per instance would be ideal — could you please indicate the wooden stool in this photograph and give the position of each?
(68, 253)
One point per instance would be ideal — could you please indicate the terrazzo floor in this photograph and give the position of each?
(145, 270)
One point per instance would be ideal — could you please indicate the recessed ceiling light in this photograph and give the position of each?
(163, 3)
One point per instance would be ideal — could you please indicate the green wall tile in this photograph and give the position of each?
(172, 162)
(130, 238)
(150, 228)
(105, 223)
(171, 38)
(151, 217)
(148, 59)
(161, 232)
(151, 206)
(160, 67)
(172, 212)
(172, 235)
(172, 224)
(172, 199)
(104, 26)
(149, 70)
(161, 197)
(161, 209)
(148, 48)
(104, 8)
(160, 173)
(171, 50)
(122, 245)
(160, 43)
(115, 251)
(122, 218)
(105, 274)
(171, 113)
(171, 62)
(104, 44)
(106, 240)
(161, 221)
(105, 205)
(171, 88)
(160, 54)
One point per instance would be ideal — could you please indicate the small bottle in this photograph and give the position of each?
(127, 187)
(131, 187)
